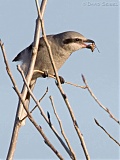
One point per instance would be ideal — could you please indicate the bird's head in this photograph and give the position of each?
(72, 41)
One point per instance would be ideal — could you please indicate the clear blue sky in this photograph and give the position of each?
(95, 20)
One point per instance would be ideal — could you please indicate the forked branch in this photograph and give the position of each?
(99, 103)
(62, 92)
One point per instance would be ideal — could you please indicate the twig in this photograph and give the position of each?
(17, 123)
(51, 76)
(95, 98)
(62, 130)
(40, 100)
(39, 128)
(25, 107)
(34, 55)
(37, 105)
(62, 92)
(76, 85)
(106, 132)
(42, 112)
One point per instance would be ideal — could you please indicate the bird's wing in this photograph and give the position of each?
(23, 54)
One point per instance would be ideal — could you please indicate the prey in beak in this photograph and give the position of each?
(91, 46)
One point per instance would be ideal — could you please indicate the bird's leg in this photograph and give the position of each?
(45, 74)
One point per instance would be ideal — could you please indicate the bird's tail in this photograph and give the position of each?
(22, 112)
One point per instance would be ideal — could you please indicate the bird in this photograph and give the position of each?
(62, 46)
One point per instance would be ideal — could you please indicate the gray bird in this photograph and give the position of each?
(62, 46)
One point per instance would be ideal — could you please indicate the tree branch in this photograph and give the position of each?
(36, 106)
(51, 76)
(62, 92)
(20, 108)
(42, 112)
(106, 132)
(73, 156)
(95, 98)
(25, 107)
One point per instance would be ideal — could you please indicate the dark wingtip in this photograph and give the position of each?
(13, 60)
(17, 58)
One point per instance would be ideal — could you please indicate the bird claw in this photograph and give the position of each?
(62, 81)
(45, 74)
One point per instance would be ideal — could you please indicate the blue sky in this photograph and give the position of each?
(97, 20)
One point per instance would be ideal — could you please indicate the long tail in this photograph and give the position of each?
(22, 112)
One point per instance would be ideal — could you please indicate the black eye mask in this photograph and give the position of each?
(70, 40)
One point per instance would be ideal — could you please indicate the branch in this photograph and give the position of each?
(17, 123)
(62, 92)
(51, 76)
(62, 130)
(106, 132)
(34, 54)
(95, 98)
(37, 105)
(39, 128)
(42, 112)
(25, 107)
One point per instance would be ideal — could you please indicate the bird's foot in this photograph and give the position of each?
(62, 81)
(45, 74)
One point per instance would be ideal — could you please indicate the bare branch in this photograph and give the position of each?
(25, 107)
(76, 85)
(95, 98)
(37, 105)
(42, 112)
(51, 76)
(16, 129)
(40, 100)
(46, 140)
(62, 130)
(34, 55)
(62, 92)
(20, 108)
(106, 132)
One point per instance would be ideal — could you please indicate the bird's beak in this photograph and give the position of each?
(91, 46)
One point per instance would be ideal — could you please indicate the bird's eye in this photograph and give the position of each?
(77, 39)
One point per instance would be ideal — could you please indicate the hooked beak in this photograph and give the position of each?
(91, 46)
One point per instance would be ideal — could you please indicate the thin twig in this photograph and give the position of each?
(42, 112)
(62, 130)
(20, 108)
(40, 100)
(16, 129)
(37, 105)
(25, 107)
(62, 92)
(106, 132)
(95, 98)
(36, 42)
(51, 76)
(39, 128)
(76, 85)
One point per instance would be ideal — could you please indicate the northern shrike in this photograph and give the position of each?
(62, 46)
